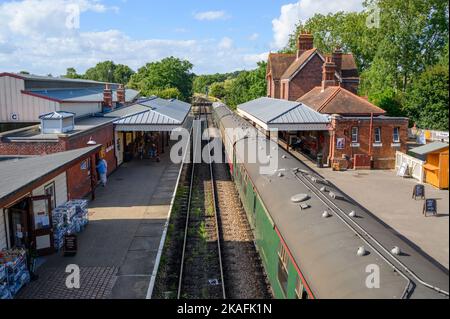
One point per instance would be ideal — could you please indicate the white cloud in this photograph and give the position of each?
(254, 37)
(226, 43)
(33, 38)
(292, 13)
(211, 15)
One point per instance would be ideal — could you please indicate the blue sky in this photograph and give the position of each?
(47, 36)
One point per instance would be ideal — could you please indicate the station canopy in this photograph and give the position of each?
(151, 115)
(283, 115)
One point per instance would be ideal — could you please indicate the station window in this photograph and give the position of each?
(300, 290)
(283, 264)
(354, 134)
(378, 135)
(396, 136)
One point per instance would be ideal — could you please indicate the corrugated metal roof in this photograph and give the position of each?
(429, 148)
(56, 115)
(277, 111)
(147, 118)
(53, 78)
(127, 111)
(173, 108)
(94, 94)
(17, 174)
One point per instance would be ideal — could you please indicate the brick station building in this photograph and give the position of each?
(361, 135)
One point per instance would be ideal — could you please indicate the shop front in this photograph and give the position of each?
(35, 212)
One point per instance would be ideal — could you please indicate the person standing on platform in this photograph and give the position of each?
(102, 168)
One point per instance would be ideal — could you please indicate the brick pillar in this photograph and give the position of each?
(328, 72)
(107, 97)
(121, 94)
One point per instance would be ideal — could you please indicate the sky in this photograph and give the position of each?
(48, 36)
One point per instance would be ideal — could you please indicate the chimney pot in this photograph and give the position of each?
(107, 97)
(121, 94)
(305, 42)
(328, 73)
(337, 59)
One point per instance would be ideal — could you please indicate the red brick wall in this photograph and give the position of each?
(31, 148)
(307, 79)
(103, 135)
(351, 86)
(384, 157)
(78, 181)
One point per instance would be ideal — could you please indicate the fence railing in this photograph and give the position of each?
(415, 166)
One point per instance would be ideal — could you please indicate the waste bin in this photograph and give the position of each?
(319, 160)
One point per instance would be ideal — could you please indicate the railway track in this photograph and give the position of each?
(201, 271)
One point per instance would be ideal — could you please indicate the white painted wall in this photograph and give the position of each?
(81, 109)
(25, 107)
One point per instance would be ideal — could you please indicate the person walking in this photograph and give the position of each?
(102, 168)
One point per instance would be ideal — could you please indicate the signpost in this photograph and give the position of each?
(70, 245)
(430, 207)
(419, 191)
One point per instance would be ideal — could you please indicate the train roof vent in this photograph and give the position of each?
(299, 198)
(352, 214)
(361, 251)
(396, 251)
(326, 214)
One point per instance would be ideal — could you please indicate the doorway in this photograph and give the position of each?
(30, 224)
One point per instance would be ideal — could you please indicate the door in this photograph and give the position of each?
(18, 227)
(41, 225)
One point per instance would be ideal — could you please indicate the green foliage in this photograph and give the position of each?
(248, 85)
(108, 71)
(217, 90)
(169, 93)
(427, 98)
(389, 101)
(71, 73)
(24, 72)
(201, 82)
(168, 73)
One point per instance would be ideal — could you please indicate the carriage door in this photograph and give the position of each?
(41, 225)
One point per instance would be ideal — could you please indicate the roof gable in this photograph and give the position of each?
(278, 63)
(298, 64)
(337, 100)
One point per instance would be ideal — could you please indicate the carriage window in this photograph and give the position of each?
(283, 264)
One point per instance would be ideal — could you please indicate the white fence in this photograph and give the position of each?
(415, 166)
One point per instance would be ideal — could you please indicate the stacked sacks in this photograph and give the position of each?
(17, 274)
(69, 218)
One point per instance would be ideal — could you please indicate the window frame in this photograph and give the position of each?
(283, 268)
(396, 136)
(353, 134)
(379, 140)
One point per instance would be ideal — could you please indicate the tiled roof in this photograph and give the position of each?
(279, 62)
(297, 64)
(337, 100)
(18, 174)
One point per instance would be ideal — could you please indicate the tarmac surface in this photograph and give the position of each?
(389, 197)
(118, 249)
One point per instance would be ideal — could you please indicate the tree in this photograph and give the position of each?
(169, 93)
(71, 73)
(168, 73)
(201, 82)
(389, 101)
(427, 100)
(248, 85)
(108, 71)
(217, 90)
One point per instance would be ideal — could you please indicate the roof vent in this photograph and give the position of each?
(323, 189)
(326, 214)
(352, 214)
(284, 156)
(332, 195)
(57, 122)
(280, 174)
(396, 251)
(299, 198)
(361, 252)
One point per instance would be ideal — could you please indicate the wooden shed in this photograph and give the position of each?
(436, 165)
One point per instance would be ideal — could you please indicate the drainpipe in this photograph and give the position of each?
(370, 137)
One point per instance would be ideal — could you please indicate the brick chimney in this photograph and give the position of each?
(305, 42)
(107, 96)
(121, 94)
(337, 59)
(328, 73)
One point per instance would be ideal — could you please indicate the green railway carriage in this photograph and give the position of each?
(315, 253)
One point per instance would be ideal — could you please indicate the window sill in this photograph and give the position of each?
(396, 145)
(377, 144)
(355, 145)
